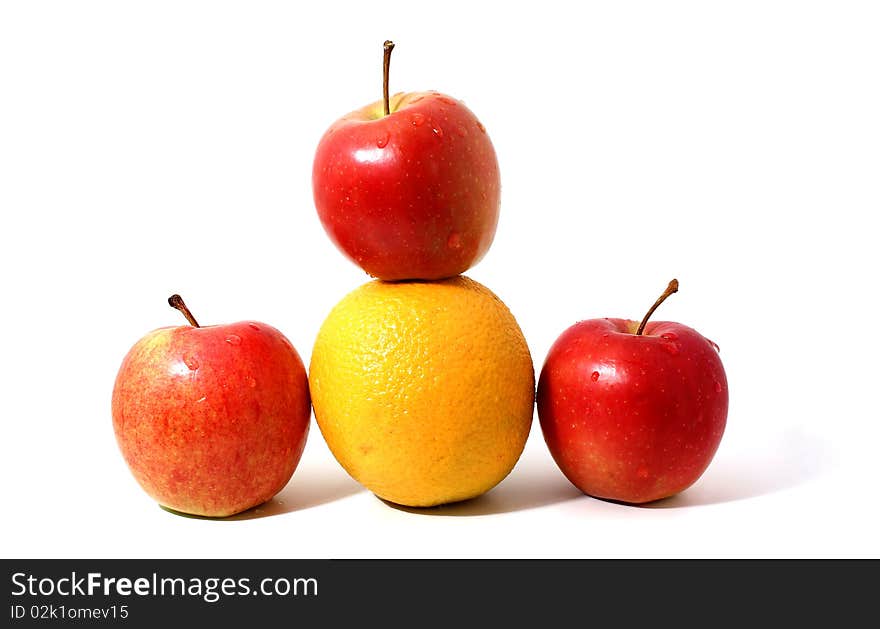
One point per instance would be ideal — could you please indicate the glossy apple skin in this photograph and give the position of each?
(411, 195)
(212, 421)
(632, 418)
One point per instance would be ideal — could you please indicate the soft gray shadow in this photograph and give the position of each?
(531, 487)
(304, 491)
(791, 460)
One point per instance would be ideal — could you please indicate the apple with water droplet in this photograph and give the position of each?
(630, 411)
(211, 420)
(408, 187)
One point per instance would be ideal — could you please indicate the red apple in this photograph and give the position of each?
(212, 420)
(408, 187)
(632, 412)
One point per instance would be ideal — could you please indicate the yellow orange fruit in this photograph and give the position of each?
(423, 391)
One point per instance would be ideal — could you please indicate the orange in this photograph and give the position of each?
(423, 391)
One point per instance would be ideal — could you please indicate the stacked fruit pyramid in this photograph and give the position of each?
(421, 380)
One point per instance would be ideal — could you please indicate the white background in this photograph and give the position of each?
(158, 147)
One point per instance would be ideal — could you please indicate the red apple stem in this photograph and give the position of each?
(672, 288)
(386, 67)
(176, 301)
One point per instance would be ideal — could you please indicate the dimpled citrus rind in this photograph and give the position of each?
(423, 391)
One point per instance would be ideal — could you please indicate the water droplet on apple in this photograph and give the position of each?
(447, 100)
(671, 348)
(481, 127)
(461, 131)
(437, 131)
(454, 240)
(254, 326)
(191, 362)
(669, 336)
(415, 100)
(418, 120)
(594, 376)
(718, 387)
(714, 344)
(382, 140)
(233, 339)
(252, 383)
